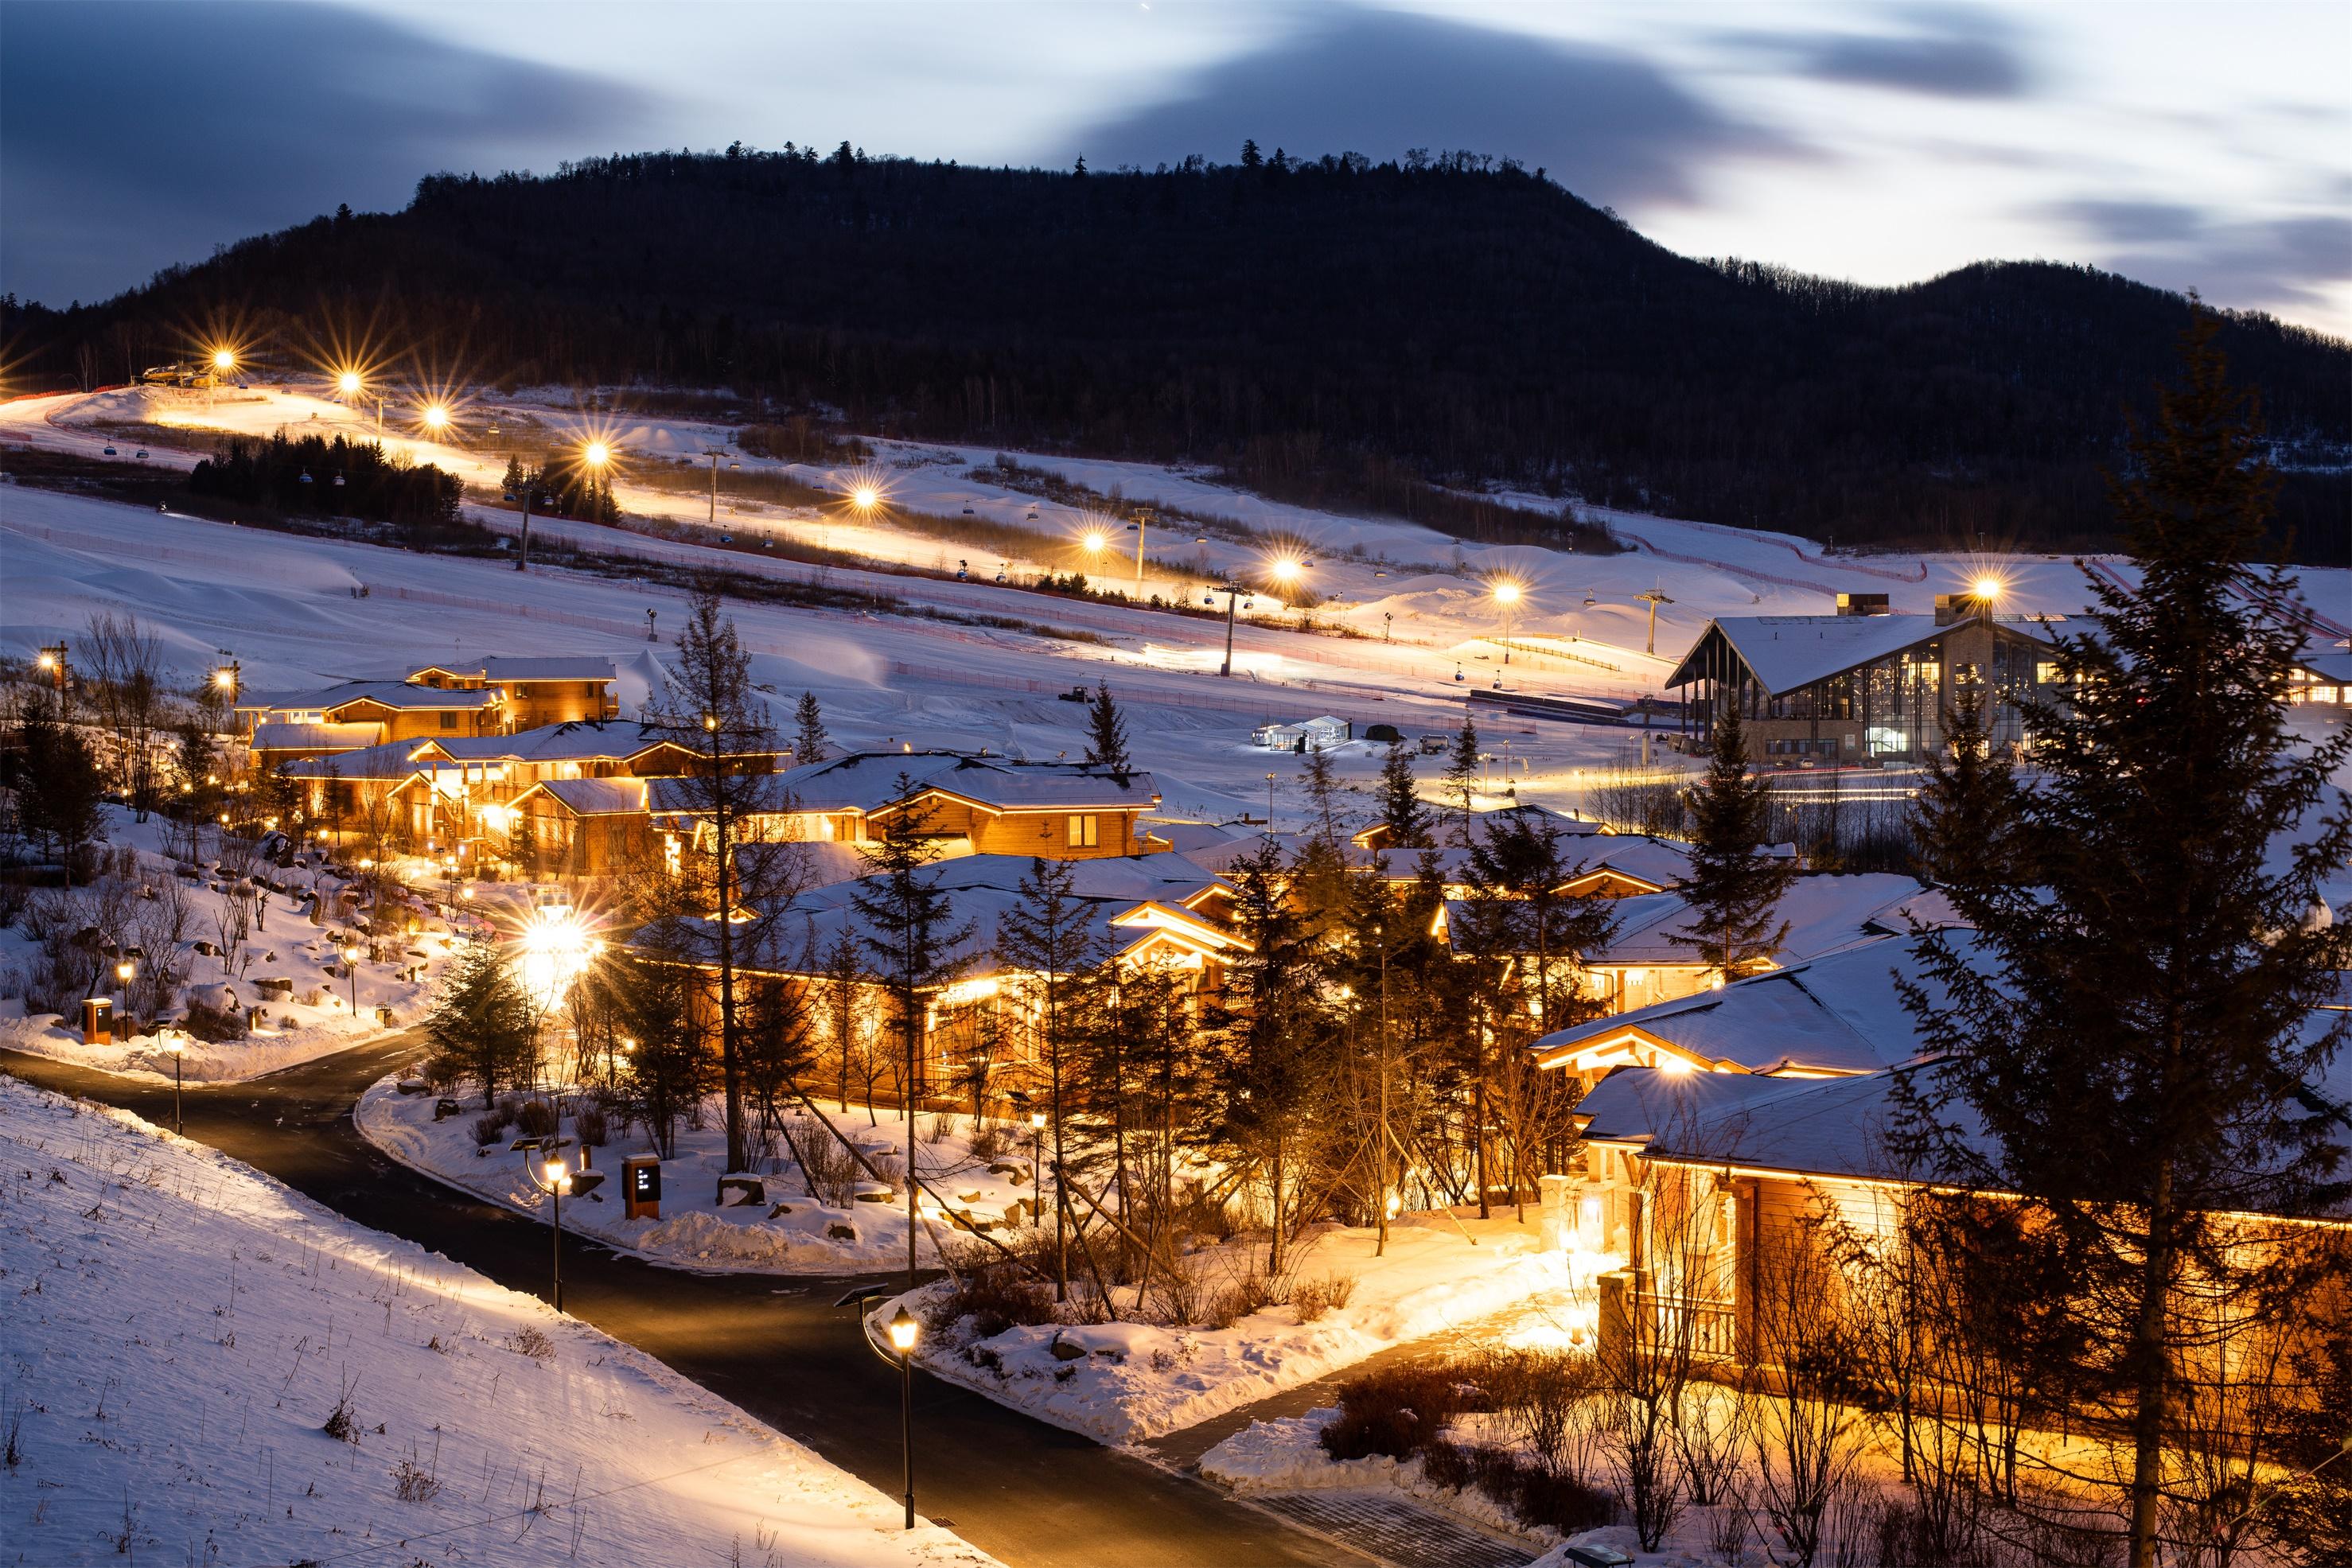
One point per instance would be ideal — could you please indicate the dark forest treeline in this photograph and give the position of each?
(314, 477)
(1330, 331)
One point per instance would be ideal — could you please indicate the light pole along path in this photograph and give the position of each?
(1028, 1492)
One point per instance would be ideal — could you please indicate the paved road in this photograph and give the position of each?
(1028, 1492)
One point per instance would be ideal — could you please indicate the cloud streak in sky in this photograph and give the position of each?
(1610, 125)
(135, 135)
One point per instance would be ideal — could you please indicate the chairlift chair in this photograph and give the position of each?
(109, 449)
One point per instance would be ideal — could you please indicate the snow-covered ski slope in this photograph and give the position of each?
(1418, 601)
(181, 1329)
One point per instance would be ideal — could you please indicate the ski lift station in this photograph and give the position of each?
(1306, 735)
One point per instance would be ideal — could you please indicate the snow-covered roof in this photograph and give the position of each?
(869, 782)
(1825, 914)
(580, 741)
(1824, 1127)
(389, 760)
(593, 797)
(1786, 651)
(550, 667)
(1839, 1013)
(402, 696)
(284, 736)
(1125, 901)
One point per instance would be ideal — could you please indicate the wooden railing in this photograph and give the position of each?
(1710, 1328)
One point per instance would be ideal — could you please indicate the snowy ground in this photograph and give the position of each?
(285, 606)
(790, 1233)
(1135, 1381)
(312, 1017)
(183, 1328)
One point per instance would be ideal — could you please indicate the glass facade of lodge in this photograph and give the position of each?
(1885, 709)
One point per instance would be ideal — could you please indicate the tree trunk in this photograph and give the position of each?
(2150, 1374)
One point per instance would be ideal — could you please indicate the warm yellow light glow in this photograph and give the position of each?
(556, 946)
(1286, 569)
(903, 1329)
(866, 497)
(710, 721)
(1988, 587)
(174, 1043)
(125, 970)
(1094, 540)
(596, 455)
(46, 661)
(1506, 592)
(555, 1173)
(223, 358)
(1037, 1120)
(349, 384)
(436, 418)
(224, 679)
(353, 953)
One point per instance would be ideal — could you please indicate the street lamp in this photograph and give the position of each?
(1507, 595)
(177, 1044)
(903, 1329)
(552, 1180)
(351, 968)
(1036, 1166)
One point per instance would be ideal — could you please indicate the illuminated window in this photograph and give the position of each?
(2046, 673)
(1085, 832)
(1930, 672)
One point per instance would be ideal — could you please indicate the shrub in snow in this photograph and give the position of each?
(1397, 1411)
(996, 1294)
(590, 1123)
(535, 1119)
(1313, 1298)
(489, 1128)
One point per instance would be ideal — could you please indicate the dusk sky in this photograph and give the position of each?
(2205, 146)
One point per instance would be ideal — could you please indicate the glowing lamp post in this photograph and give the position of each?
(1036, 1166)
(224, 361)
(903, 1329)
(552, 1180)
(177, 1043)
(1507, 595)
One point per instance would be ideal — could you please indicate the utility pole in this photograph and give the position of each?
(529, 483)
(1142, 522)
(715, 454)
(1381, 1247)
(1653, 598)
(1233, 595)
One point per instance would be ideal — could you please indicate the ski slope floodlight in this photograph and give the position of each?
(223, 358)
(1506, 591)
(349, 384)
(1094, 539)
(1286, 569)
(1989, 588)
(596, 454)
(437, 417)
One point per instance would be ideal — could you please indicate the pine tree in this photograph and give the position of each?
(1106, 733)
(1048, 941)
(913, 946)
(810, 742)
(1960, 823)
(1251, 157)
(1275, 1053)
(1402, 809)
(516, 478)
(667, 1072)
(60, 786)
(2130, 1042)
(1734, 888)
(1461, 783)
(482, 1021)
(748, 883)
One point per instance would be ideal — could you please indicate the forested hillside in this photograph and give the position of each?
(1331, 330)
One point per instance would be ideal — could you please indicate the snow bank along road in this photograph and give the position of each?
(160, 1289)
(1025, 1491)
